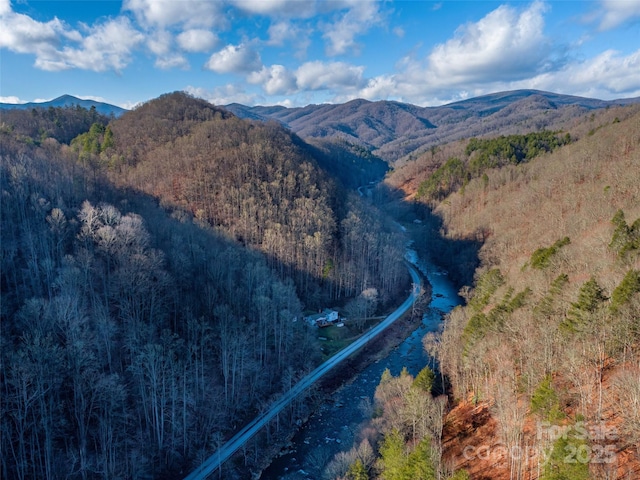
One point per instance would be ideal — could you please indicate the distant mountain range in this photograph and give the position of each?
(68, 101)
(393, 130)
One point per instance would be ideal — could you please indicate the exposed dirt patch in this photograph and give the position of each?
(471, 439)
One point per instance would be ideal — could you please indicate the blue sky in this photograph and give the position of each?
(297, 52)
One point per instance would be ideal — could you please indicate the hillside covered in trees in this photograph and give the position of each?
(155, 268)
(154, 271)
(398, 132)
(542, 365)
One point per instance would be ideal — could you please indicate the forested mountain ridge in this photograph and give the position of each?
(153, 266)
(122, 326)
(543, 362)
(264, 187)
(153, 272)
(394, 130)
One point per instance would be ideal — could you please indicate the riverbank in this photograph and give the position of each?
(257, 438)
(343, 375)
(377, 349)
(346, 398)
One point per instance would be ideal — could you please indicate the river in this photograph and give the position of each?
(332, 427)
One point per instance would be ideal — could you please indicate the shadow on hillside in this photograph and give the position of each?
(459, 257)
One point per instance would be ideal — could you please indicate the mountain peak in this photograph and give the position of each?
(67, 100)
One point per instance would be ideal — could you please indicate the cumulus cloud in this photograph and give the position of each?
(235, 59)
(161, 19)
(160, 42)
(318, 75)
(505, 43)
(381, 87)
(197, 40)
(606, 75)
(275, 80)
(57, 46)
(21, 34)
(505, 50)
(616, 12)
(164, 13)
(337, 78)
(108, 46)
(361, 16)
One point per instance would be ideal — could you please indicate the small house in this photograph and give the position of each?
(323, 319)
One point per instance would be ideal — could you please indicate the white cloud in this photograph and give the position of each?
(608, 75)
(328, 76)
(56, 46)
(339, 78)
(505, 50)
(235, 59)
(358, 19)
(159, 42)
(283, 32)
(92, 97)
(21, 34)
(281, 8)
(5, 7)
(164, 13)
(197, 40)
(128, 104)
(275, 80)
(160, 18)
(286, 33)
(504, 43)
(108, 46)
(381, 87)
(172, 60)
(618, 12)
(12, 99)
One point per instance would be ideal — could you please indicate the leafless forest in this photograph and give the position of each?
(156, 268)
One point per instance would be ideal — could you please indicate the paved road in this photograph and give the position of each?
(212, 463)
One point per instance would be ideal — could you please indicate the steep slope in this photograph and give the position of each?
(544, 360)
(123, 324)
(393, 130)
(352, 164)
(265, 188)
(152, 275)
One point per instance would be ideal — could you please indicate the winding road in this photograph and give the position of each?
(212, 463)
